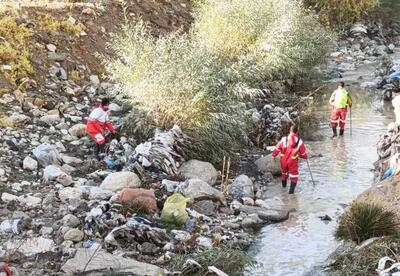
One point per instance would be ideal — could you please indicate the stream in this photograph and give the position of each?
(302, 244)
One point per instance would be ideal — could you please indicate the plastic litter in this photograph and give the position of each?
(174, 211)
(11, 226)
(47, 154)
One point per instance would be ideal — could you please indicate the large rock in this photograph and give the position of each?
(29, 200)
(241, 187)
(70, 193)
(70, 221)
(100, 194)
(30, 246)
(51, 119)
(268, 164)
(75, 235)
(30, 164)
(56, 173)
(119, 180)
(197, 189)
(78, 130)
(265, 214)
(199, 170)
(99, 260)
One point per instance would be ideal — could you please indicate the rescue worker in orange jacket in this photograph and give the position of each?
(290, 148)
(97, 125)
(340, 100)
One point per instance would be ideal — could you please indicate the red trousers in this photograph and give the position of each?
(338, 117)
(290, 169)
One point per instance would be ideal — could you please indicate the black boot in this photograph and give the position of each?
(341, 132)
(292, 187)
(334, 132)
(284, 183)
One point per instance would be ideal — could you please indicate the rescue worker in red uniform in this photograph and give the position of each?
(340, 100)
(290, 148)
(97, 125)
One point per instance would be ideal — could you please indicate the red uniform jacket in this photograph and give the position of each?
(290, 148)
(98, 123)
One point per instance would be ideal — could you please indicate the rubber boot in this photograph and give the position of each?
(284, 183)
(334, 132)
(292, 187)
(341, 132)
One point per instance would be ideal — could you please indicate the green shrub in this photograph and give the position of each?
(203, 80)
(229, 260)
(341, 13)
(366, 219)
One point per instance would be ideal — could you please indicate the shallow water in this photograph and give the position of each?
(301, 244)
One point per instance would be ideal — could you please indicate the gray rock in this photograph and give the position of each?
(205, 207)
(241, 187)
(57, 56)
(70, 221)
(51, 119)
(19, 119)
(114, 107)
(70, 193)
(29, 201)
(268, 164)
(199, 170)
(6, 197)
(265, 214)
(86, 259)
(119, 180)
(75, 235)
(57, 71)
(51, 47)
(253, 222)
(30, 164)
(94, 79)
(100, 194)
(30, 246)
(197, 189)
(204, 242)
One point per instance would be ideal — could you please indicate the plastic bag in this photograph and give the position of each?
(47, 155)
(174, 211)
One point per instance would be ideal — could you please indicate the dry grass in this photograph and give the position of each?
(15, 50)
(49, 23)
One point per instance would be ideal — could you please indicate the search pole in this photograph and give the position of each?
(309, 169)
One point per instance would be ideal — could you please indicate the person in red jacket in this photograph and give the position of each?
(97, 125)
(290, 148)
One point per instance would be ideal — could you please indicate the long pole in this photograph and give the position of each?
(351, 124)
(309, 168)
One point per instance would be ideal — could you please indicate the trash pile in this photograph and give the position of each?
(389, 152)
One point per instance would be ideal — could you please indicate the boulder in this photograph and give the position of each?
(241, 187)
(97, 193)
(119, 180)
(252, 222)
(70, 221)
(6, 197)
(205, 207)
(56, 173)
(70, 193)
(197, 189)
(29, 164)
(74, 234)
(199, 170)
(268, 164)
(265, 214)
(99, 260)
(30, 246)
(51, 119)
(78, 130)
(29, 201)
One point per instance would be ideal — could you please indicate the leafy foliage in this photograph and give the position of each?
(366, 219)
(341, 13)
(203, 80)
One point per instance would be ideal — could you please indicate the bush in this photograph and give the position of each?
(204, 79)
(229, 260)
(15, 49)
(365, 220)
(341, 13)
